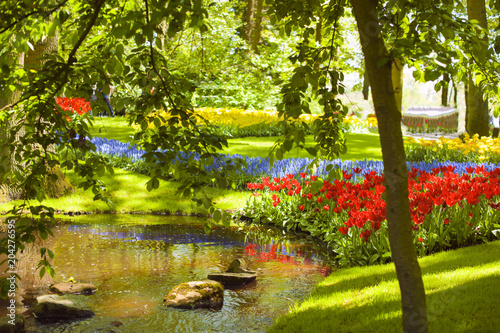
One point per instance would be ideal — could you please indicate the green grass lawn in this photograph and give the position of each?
(127, 191)
(462, 288)
(359, 146)
(113, 128)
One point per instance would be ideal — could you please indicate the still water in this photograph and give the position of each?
(135, 260)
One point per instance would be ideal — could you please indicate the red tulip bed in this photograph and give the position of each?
(448, 210)
(76, 105)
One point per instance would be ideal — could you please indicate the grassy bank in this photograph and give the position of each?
(461, 287)
(127, 191)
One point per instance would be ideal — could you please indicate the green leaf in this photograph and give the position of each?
(217, 215)
(207, 227)
(279, 154)
(42, 272)
(373, 258)
(24, 221)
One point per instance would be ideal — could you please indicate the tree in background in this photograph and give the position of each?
(477, 104)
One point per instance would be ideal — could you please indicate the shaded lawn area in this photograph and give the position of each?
(359, 146)
(127, 190)
(461, 287)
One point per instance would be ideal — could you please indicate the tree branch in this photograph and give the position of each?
(23, 17)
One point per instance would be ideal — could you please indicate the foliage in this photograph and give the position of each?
(448, 210)
(466, 149)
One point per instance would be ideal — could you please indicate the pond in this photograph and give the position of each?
(135, 260)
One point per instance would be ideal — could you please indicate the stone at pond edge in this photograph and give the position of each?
(73, 288)
(61, 307)
(6, 327)
(196, 294)
(239, 266)
(233, 279)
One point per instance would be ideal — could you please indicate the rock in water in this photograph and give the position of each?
(239, 266)
(61, 307)
(233, 279)
(73, 288)
(196, 294)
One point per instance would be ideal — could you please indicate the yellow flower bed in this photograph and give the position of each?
(244, 118)
(481, 146)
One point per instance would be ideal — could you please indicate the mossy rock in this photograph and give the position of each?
(73, 288)
(196, 294)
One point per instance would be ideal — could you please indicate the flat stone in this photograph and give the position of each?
(73, 288)
(196, 294)
(233, 279)
(61, 307)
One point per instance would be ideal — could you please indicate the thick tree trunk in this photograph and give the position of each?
(252, 27)
(477, 120)
(257, 27)
(249, 21)
(396, 174)
(8, 97)
(34, 60)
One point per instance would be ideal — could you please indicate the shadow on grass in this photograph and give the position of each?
(457, 309)
(339, 304)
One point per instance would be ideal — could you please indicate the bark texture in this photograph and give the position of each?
(397, 82)
(477, 106)
(253, 24)
(8, 97)
(396, 174)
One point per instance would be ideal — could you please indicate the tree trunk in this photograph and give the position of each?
(477, 120)
(257, 26)
(396, 174)
(444, 89)
(34, 60)
(397, 82)
(8, 97)
(249, 21)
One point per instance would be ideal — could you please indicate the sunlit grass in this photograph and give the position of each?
(461, 287)
(359, 146)
(116, 128)
(127, 191)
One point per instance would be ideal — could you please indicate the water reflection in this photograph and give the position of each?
(134, 261)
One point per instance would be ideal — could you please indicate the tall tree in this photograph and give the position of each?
(7, 98)
(252, 26)
(388, 114)
(477, 104)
